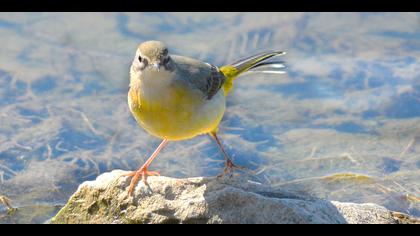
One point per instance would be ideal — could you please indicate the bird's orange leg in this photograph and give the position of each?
(142, 171)
(229, 166)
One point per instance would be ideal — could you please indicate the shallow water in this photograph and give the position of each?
(342, 124)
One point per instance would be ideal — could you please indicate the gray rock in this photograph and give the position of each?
(206, 200)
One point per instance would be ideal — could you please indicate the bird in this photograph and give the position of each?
(175, 97)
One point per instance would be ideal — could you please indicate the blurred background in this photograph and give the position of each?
(342, 124)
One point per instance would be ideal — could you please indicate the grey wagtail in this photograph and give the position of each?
(175, 97)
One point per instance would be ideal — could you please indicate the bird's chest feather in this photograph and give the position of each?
(165, 100)
(170, 108)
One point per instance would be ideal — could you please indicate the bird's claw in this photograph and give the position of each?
(141, 173)
(229, 167)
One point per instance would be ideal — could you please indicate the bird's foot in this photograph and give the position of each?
(229, 168)
(140, 173)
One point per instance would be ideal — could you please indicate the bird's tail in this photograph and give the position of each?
(256, 63)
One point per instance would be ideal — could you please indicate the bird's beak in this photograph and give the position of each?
(156, 65)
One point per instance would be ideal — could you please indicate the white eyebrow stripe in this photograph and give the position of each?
(141, 55)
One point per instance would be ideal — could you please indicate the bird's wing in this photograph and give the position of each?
(199, 75)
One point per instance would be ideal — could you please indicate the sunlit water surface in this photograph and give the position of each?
(342, 124)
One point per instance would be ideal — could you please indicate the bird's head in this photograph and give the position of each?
(152, 55)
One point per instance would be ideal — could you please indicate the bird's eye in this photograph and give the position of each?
(166, 60)
(143, 61)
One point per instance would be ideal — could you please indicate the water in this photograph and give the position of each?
(342, 124)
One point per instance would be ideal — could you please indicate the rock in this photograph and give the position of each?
(206, 200)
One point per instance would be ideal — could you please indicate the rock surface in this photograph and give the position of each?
(208, 200)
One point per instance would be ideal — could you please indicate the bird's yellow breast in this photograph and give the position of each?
(175, 111)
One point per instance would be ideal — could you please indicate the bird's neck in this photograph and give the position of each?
(152, 85)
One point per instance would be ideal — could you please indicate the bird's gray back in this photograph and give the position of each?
(200, 75)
